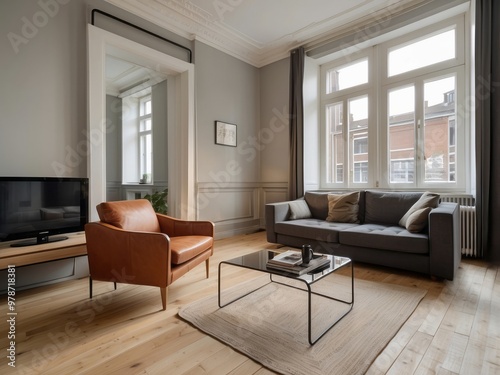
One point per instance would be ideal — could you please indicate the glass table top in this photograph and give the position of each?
(258, 261)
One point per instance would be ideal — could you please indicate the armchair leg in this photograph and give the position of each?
(115, 285)
(163, 292)
(90, 287)
(207, 266)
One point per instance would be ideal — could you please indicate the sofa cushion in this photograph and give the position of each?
(343, 208)
(299, 209)
(384, 237)
(388, 208)
(313, 229)
(418, 220)
(427, 199)
(318, 204)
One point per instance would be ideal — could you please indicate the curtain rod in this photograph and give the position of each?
(141, 29)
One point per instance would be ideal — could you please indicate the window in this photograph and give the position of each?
(334, 118)
(401, 134)
(347, 76)
(352, 77)
(137, 138)
(145, 139)
(399, 128)
(422, 53)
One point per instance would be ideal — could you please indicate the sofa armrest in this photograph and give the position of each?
(444, 240)
(275, 212)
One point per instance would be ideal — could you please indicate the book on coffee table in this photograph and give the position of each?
(301, 268)
(288, 258)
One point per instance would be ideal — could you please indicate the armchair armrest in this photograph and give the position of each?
(444, 240)
(177, 227)
(129, 257)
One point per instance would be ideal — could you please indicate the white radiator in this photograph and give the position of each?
(467, 221)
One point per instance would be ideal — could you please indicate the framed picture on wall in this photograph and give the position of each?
(225, 134)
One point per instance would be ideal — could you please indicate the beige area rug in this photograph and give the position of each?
(270, 324)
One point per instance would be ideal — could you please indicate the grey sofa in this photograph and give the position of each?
(377, 238)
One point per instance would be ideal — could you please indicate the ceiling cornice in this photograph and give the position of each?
(189, 21)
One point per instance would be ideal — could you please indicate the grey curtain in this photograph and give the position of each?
(296, 185)
(487, 99)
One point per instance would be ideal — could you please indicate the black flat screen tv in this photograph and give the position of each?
(36, 209)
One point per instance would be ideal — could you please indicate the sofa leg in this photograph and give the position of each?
(163, 292)
(207, 266)
(115, 284)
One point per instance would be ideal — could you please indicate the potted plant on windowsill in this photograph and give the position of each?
(159, 201)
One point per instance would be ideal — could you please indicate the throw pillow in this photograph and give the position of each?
(343, 208)
(299, 210)
(427, 199)
(417, 221)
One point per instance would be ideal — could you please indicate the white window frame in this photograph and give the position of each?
(344, 96)
(377, 89)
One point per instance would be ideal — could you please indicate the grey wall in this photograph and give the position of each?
(227, 90)
(160, 135)
(43, 89)
(274, 132)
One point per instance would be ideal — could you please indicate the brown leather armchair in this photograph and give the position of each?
(135, 245)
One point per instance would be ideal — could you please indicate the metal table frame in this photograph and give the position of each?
(309, 280)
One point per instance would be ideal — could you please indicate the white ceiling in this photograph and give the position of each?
(262, 31)
(125, 78)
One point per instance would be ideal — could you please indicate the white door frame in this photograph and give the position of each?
(181, 118)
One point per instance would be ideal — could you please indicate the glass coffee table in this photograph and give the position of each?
(258, 262)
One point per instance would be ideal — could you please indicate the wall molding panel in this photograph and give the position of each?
(237, 207)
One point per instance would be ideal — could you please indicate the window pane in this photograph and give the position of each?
(402, 171)
(425, 52)
(401, 135)
(145, 125)
(347, 76)
(360, 174)
(439, 130)
(145, 106)
(358, 134)
(335, 144)
(146, 154)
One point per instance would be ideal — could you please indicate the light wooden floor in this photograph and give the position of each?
(454, 330)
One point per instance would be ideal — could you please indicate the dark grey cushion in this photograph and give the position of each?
(313, 229)
(388, 207)
(383, 237)
(318, 203)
